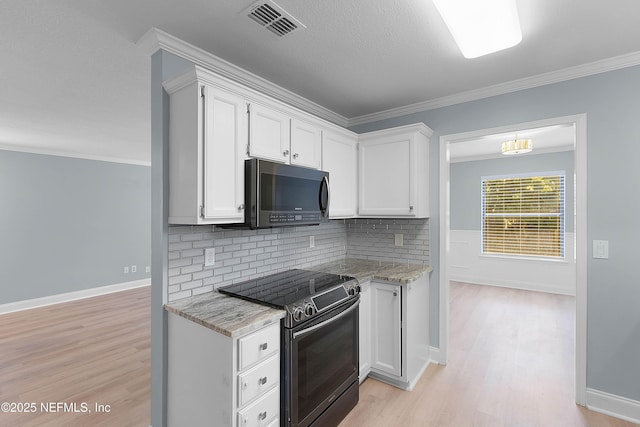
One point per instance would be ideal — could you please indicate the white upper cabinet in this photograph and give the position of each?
(306, 144)
(269, 134)
(394, 172)
(207, 137)
(340, 159)
(279, 137)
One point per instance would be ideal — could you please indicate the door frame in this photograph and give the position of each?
(579, 122)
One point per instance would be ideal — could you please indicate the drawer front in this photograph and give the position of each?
(258, 346)
(258, 379)
(262, 412)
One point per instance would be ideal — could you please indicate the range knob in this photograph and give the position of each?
(353, 289)
(309, 309)
(298, 313)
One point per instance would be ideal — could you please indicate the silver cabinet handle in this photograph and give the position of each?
(285, 153)
(395, 294)
(410, 208)
(264, 346)
(295, 155)
(262, 416)
(262, 380)
(241, 207)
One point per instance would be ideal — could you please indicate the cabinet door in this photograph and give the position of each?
(340, 159)
(306, 144)
(224, 138)
(269, 134)
(387, 176)
(365, 330)
(386, 332)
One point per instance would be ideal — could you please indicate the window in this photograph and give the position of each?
(523, 215)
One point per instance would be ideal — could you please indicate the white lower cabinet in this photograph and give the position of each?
(364, 330)
(386, 328)
(216, 380)
(400, 331)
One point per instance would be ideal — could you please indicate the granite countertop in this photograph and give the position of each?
(227, 315)
(364, 270)
(235, 317)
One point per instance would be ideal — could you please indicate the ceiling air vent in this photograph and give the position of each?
(274, 18)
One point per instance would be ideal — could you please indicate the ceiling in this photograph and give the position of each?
(73, 80)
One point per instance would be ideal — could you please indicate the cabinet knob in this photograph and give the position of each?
(295, 155)
(285, 153)
(395, 294)
(262, 415)
(410, 208)
(241, 207)
(263, 346)
(262, 380)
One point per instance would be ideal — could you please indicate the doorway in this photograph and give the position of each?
(447, 142)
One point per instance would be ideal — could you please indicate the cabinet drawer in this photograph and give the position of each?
(262, 412)
(258, 346)
(258, 379)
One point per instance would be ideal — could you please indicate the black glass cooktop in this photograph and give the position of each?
(282, 289)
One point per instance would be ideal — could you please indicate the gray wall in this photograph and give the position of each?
(613, 203)
(69, 224)
(466, 187)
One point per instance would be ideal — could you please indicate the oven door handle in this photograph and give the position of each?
(326, 322)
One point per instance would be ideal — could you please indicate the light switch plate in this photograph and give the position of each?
(209, 257)
(601, 249)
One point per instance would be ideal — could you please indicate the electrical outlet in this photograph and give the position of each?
(147, 269)
(312, 241)
(399, 239)
(125, 270)
(209, 257)
(134, 269)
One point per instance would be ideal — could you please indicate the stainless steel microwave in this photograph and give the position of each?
(279, 195)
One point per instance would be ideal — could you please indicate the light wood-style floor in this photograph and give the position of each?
(91, 351)
(511, 363)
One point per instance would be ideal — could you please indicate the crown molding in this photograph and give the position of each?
(72, 154)
(155, 39)
(584, 70)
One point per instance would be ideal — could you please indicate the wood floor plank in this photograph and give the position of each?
(92, 351)
(511, 363)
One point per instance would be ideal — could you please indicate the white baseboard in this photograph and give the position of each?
(513, 284)
(71, 296)
(615, 406)
(434, 356)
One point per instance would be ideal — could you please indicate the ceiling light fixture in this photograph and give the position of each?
(481, 27)
(517, 146)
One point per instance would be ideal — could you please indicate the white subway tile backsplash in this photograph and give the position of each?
(245, 254)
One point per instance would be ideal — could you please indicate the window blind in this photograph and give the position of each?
(523, 215)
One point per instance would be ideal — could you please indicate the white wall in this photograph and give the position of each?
(468, 264)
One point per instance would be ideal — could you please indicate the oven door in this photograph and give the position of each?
(321, 363)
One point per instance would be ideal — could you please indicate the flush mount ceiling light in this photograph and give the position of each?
(481, 27)
(517, 146)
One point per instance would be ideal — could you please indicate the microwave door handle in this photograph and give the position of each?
(325, 183)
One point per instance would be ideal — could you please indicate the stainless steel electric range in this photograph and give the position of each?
(319, 375)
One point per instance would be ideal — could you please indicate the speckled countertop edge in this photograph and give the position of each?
(227, 315)
(236, 317)
(364, 270)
